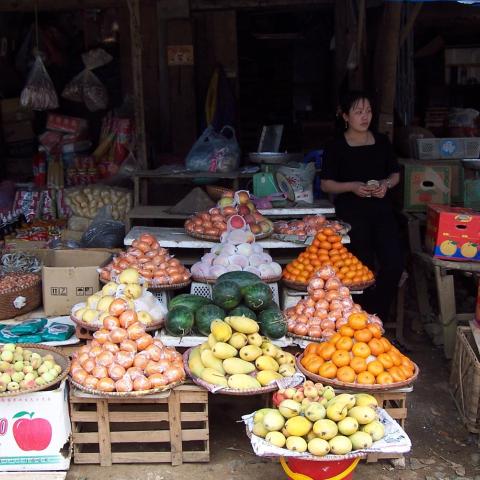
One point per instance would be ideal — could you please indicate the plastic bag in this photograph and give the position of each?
(39, 92)
(214, 152)
(86, 87)
(300, 177)
(104, 232)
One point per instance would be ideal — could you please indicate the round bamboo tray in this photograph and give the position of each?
(302, 287)
(212, 238)
(133, 394)
(43, 350)
(215, 192)
(213, 280)
(154, 287)
(355, 386)
(223, 390)
(94, 328)
(32, 294)
(306, 337)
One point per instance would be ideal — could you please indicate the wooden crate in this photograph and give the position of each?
(171, 427)
(465, 379)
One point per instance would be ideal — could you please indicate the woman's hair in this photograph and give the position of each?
(347, 102)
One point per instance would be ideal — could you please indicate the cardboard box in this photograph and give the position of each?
(18, 132)
(35, 431)
(63, 123)
(425, 183)
(69, 277)
(12, 111)
(453, 233)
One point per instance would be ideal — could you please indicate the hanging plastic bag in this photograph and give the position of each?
(39, 92)
(86, 87)
(214, 152)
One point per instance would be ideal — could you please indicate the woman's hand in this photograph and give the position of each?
(361, 189)
(381, 190)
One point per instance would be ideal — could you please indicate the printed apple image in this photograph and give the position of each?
(31, 434)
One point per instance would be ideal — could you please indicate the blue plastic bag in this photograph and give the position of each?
(214, 151)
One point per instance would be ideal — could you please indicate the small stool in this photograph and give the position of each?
(399, 310)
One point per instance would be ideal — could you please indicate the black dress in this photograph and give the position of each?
(374, 235)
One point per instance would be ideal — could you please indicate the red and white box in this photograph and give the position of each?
(35, 431)
(63, 123)
(453, 233)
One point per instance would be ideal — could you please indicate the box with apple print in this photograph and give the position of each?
(453, 233)
(35, 431)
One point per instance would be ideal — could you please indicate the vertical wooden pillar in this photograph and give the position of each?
(341, 46)
(136, 42)
(386, 55)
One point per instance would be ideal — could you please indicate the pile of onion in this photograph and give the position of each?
(326, 309)
(152, 262)
(122, 357)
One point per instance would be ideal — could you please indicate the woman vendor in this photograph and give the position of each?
(360, 168)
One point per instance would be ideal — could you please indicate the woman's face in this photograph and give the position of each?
(359, 115)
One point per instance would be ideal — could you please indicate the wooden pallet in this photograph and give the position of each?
(171, 427)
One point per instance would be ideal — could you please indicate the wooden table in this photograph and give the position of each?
(448, 317)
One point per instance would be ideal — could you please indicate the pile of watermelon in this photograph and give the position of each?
(234, 294)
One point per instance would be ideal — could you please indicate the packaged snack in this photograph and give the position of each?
(33, 326)
(57, 332)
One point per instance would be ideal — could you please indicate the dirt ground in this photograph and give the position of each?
(442, 447)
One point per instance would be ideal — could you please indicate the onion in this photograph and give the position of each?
(116, 372)
(135, 331)
(90, 382)
(118, 335)
(142, 383)
(125, 384)
(105, 359)
(106, 385)
(125, 359)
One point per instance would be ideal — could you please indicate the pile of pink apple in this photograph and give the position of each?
(237, 208)
(304, 394)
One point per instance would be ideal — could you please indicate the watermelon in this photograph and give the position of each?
(242, 279)
(192, 302)
(226, 294)
(272, 323)
(243, 310)
(179, 321)
(257, 296)
(204, 317)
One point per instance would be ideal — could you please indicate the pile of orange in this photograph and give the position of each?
(327, 249)
(358, 353)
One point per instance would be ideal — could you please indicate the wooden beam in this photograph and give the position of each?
(139, 107)
(410, 22)
(239, 4)
(47, 5)
(341, 45)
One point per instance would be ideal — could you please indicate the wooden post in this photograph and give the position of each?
(386, 65)
(341, 46)
(136, 41)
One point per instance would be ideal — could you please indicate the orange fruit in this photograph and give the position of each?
(358, 364)
(310, 348)
(396, 358)
(361, 349)
(376, 346)
(341, 358)
(365, 378)
(386, 344)
(346, 331)
(328, 231)
(344, 343)
(363, 335)
(384, 378)
(346, 374)
(314, 363)
(328, 370)
(327, 350)
(358, 320)
(375, 329)
(335, 338)
(407, 362)
(397, 374)
(406, 371)
(375, 367)
(385, 360)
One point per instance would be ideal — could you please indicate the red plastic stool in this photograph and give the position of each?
(298, 469)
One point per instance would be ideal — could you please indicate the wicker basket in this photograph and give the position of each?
(32, 294)
(215, 192)
(465, 379)
(355, 386)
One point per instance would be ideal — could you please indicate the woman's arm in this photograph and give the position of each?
(391, 181)
(358, 188)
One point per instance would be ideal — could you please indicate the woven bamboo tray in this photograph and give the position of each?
(302, 287)
(94, 328)
(32, 294)
(155, 287)
(222, 390)
(43, 350)
(213, 280)
(138, 393)
(212, 238)
(355, 386)
(306, 337)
